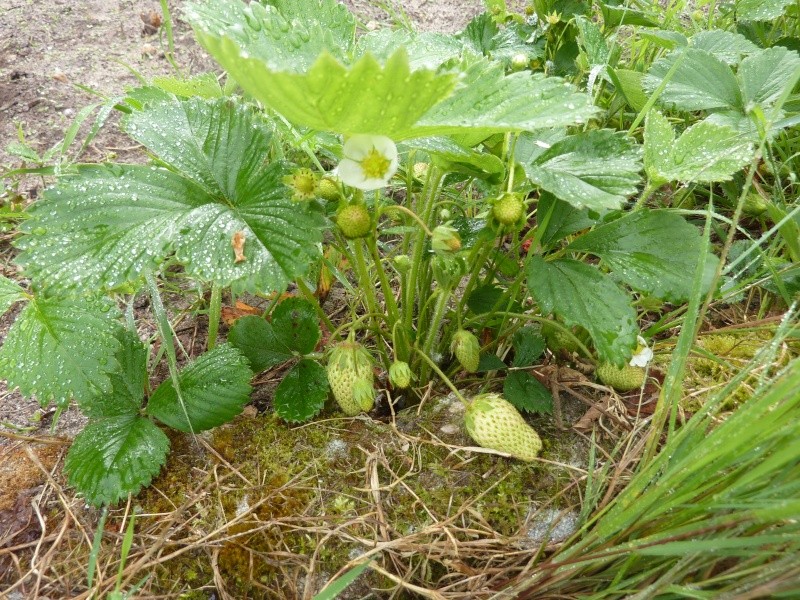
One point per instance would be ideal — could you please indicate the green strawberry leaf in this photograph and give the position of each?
(596, 169)
(641, 249)
(127, 384)
(528, 346)
(452, 156)
(256, 340)
(560, 219)
(108, 225)
(581, 295)
(725, 45)
(767, 75)
(490, 362)
(288, 36)
(704, 152)
(526, 393)
(390, 98)
(294, 330)
(484, 298)
(701, 81)
(302, 393)
(630, 83)
(60, 348)
(215, 388)
(425, 50)
(204, 85)
(592, 41)
(760, 10)
(114, 457)
(488, 101)
(10, 294)
(296, 325)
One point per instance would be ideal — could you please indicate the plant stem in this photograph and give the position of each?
(414, 216)
(388, 293)
(366, 281)
(427, 197)
(309, 295)
(444, 377)
(214, 314)
(434, 325)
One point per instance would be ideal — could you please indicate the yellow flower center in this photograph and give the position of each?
(375, 165)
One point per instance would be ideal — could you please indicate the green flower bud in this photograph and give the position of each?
(402, 262)
(467, 349)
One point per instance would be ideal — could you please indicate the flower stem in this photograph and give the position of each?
(214, 314)
(427, 198)
(366, 281)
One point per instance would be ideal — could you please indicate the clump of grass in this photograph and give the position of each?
(714, 514)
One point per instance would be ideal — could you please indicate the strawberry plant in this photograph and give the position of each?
(482, 205)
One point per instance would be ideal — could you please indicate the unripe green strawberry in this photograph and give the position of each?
(354, 221)
(467, 349)
(400, 374)
(622, 379)
(327, 189)
(494, 423)
(303, 183)
(509, 209)
(348, 365)
(556, 339)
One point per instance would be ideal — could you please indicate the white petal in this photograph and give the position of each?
(351, 173)
(358, 146)
(385, 146)
(642, 358)
(371, 184)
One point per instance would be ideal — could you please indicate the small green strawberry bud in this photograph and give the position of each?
(448, 269)
(519, 62)
(354, 221)
(420, 170)
(509, 210)
(400, 374)
(494, 423)
(622, 379)
(364, 394)
(754, 205)
(445, 239)
(303, 183)
(328, 189)
(467, 349)
(402, 262)
(350, 374)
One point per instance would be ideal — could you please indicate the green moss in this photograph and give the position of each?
(292, 486)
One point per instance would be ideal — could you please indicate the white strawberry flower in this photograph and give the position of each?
(643, 354)
(369, 161)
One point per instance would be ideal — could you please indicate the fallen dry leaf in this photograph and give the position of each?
(230, 314)
(238, 246)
